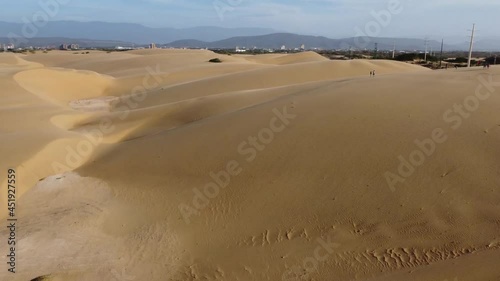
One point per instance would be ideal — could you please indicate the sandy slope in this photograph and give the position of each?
(308, 201)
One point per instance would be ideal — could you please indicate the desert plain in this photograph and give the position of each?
(158, 165)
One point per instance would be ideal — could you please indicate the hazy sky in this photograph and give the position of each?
(333, 18)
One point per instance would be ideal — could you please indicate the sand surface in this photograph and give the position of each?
(157, 165)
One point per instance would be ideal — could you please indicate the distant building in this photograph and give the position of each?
(238, 50)
(283, 47)
(9, 47)
(123, 48)
(152, 46)
(303, 47)
(69, 47)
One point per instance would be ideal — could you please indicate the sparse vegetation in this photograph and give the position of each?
(493, 60)
(457, 60)
(415, 56)
(216, 60)
(41, 278)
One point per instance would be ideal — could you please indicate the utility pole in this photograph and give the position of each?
(471, 45)
(376, 50)
(495, 61)
(426, 46)
(441, 55)
(394, 50)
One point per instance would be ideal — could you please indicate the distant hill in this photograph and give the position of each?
(111, 34)
(272, 41)
(289, 40)
(57, 41)
(129, 32)
(489, 44)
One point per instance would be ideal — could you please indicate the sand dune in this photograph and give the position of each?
(41, 82)
(157, 165)
(280, 59)
(9, 61)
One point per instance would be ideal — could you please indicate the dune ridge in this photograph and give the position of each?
(110, 146)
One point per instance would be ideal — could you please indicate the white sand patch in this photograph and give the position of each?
(96, 104)
(62, 224)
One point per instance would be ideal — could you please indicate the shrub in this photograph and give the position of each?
(458, 60)
(216, 60)
(415, 56)
(491, 60)
(41, 278)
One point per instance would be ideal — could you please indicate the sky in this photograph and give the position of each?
(333, 18)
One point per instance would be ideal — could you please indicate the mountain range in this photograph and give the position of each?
(126, 32)
(103, 34)
(291, 41)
